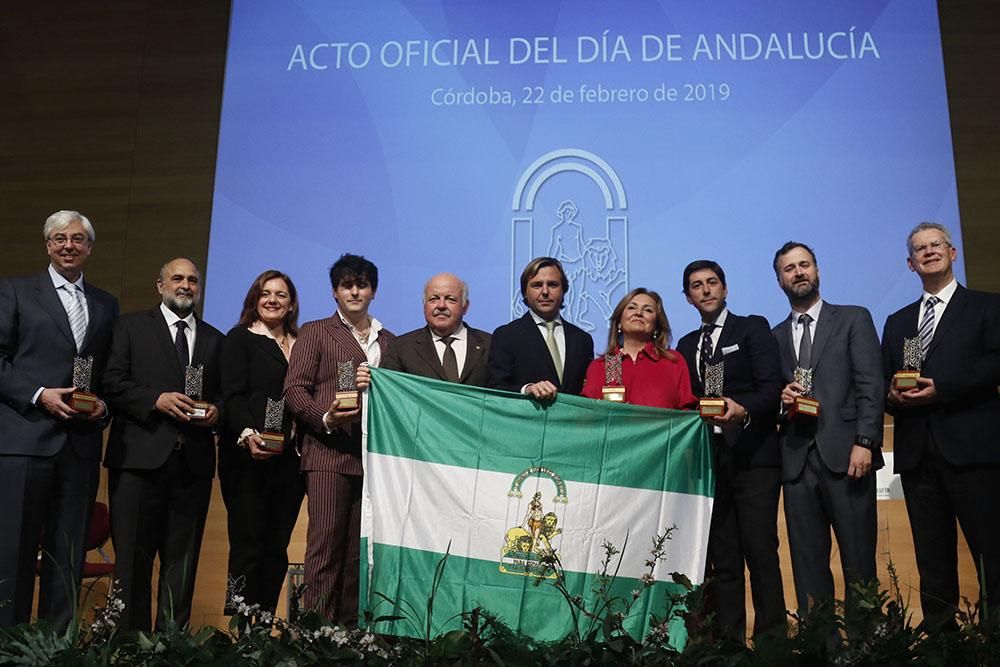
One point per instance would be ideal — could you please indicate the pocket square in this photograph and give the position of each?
(729, 349)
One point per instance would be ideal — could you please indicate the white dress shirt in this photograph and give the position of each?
(460, 345)
(944, 296)
(797, 327)
(172, 319)
(720, 322)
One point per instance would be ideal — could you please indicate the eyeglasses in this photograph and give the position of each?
(76, 239)
(933, 245)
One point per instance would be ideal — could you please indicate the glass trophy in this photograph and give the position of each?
(274, 433)
(194, 380)
(804, 404)
(712, 404)
(912, 358)
(83, 400)
(347, 390)
(613, 389)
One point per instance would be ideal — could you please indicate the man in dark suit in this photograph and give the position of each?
(946, 446)
(541, 354)
(744, 527)
(49, 451)
(828, 462)
(161, 451)
(447, 348)
(330, 435)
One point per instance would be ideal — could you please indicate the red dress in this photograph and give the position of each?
(651, 380)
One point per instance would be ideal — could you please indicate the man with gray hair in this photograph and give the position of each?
(946, 446)
(50, 324)
(447, 348)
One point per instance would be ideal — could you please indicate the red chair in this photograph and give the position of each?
(97, 537)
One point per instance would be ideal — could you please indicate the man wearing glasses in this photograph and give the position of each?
(49, 449)
(947, 422)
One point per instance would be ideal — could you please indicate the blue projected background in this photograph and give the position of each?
(626, 139)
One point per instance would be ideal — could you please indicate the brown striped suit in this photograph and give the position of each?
(332, 466)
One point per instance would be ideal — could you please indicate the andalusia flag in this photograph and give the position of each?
(501, 483)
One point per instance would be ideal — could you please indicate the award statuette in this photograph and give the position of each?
(347, 390)
(804, 404)
(613, 389)
(83, 400)
(274, 435)
(907, 378)
(194, 379)
(712, 404)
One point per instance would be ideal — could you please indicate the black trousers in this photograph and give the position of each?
(262, 499)
(744, 534)
(937, 493)
(157, 513)
(44, 501)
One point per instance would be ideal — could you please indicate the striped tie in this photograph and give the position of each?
(77, 315)
(926, 330)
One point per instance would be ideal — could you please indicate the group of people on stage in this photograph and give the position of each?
(168, 382)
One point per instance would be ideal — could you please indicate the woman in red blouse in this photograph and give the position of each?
(653, 374)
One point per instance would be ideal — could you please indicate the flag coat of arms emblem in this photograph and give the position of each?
(502, 487)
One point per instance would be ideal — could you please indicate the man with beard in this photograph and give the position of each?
(50, 452)
(447, 348)
(161, 452)
(946, 445)
(828, 461)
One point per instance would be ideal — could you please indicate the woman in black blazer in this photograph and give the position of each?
(262, 488)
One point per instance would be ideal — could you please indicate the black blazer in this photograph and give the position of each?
(253, 370)
(518, 356)
(143, 364)
(37, 350)
(752, 378)
(415, 353)
(964, 362)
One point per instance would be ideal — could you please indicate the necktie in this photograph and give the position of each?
(450, 361)
(77, 315)
(550, 342)
(181, 343)
(706, 349)
(806, 344)
(926, 330)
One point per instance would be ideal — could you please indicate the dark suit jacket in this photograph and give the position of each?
(518, 356)
(964, 362)
(311, 386)
(253, 370)
(415, 353)
(752, 378)
(143, 364)
(37, 350)
(847, 382)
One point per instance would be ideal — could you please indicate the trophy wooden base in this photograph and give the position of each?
(712, 407)
(904, 380)
(200, 410)
(348, 400)
(83, 401)
(613, 394)
(804, 406)
(273, 442)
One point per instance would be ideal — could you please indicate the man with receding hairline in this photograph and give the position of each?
(161, 452)
(447, 348)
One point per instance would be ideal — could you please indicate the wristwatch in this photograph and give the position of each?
(866, 442)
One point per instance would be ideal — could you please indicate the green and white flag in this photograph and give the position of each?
(497, 481)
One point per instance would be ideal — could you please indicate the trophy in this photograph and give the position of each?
(804, 404)
(194, 379)
(83, 400)
(347, 390)
(912, 358)
(274, 435)
(613, 389)
(712, 404)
